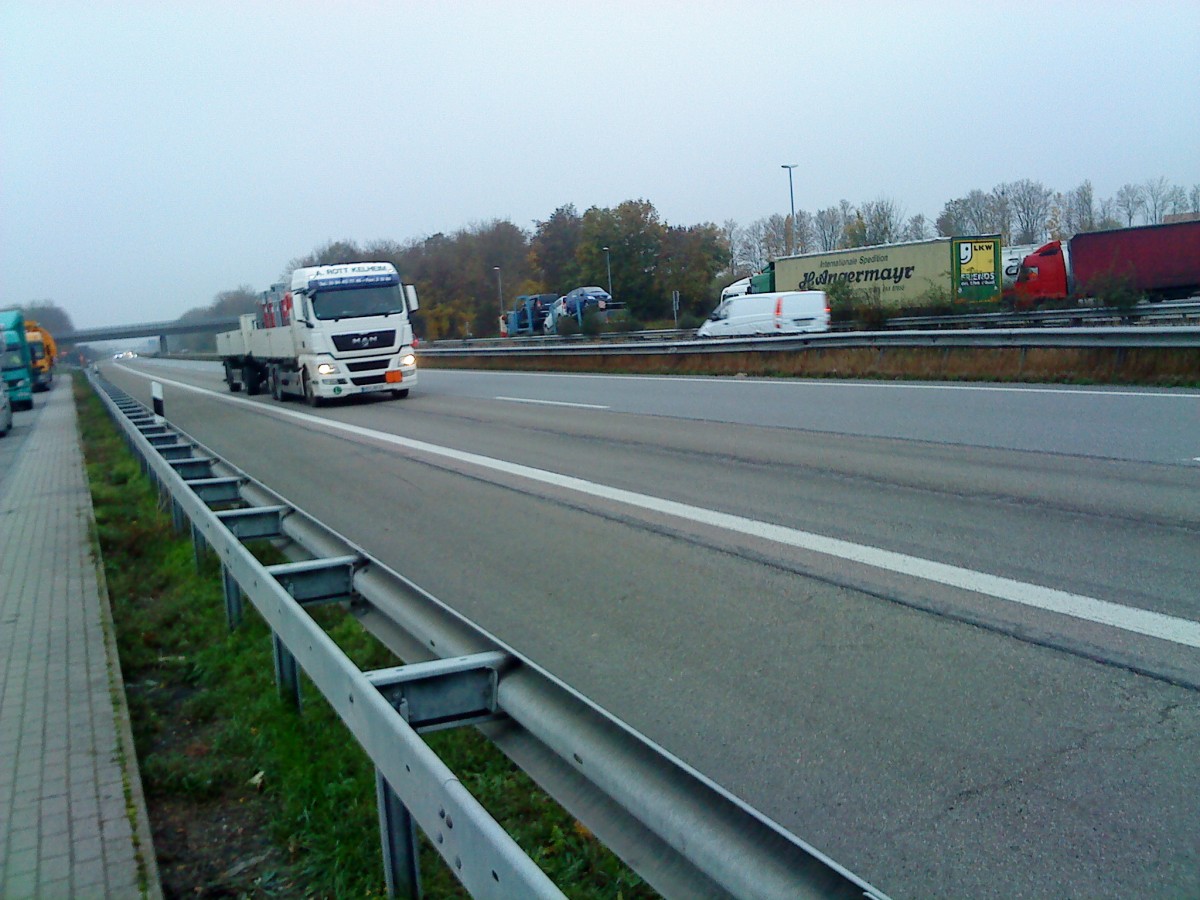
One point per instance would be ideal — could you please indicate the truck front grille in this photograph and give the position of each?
(367, 365)
(365, 340)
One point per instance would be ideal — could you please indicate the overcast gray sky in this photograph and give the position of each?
(155, 153)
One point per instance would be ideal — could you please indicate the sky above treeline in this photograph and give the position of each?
(156, 153)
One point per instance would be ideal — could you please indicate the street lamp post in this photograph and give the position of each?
(792, 196)
(608, 267)
(499, 289)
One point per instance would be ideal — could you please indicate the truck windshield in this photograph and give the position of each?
(12, 360)
(352, 303)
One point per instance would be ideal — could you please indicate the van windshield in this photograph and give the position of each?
(721, 312)
(355, 302)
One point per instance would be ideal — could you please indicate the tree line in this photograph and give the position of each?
(466, 278)
(1021, 212)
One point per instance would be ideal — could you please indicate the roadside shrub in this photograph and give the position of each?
(593, 324)
(567, 326)
(871, 314)
(1114, 291)
(841, 302)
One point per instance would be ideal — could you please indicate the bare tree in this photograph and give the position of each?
(752, 246)
(828, 227)
(1109, 215)
(1157, 194)
(1030, 201)
(731, 237)
(775, 236)
(978, 213)
(1194, 199)
(1177, 200)
(805, 231)
(877, 222)
(952, 220)
(978, 210)
(1079, 209)
(1000, 219)
(918, 229)
(1130, 201)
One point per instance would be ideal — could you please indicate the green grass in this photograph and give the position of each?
(214, 738)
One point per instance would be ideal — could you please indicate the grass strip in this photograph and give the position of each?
(247, 797)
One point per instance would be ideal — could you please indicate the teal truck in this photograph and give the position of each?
(17, 366)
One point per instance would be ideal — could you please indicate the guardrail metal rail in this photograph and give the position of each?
(682, 832)
(1181, 311)
(1182, 336)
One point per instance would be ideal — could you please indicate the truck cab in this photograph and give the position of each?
(42, 354)
(1043, 276)
(335, 331)
(16, 369)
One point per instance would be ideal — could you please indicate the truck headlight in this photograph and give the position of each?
(327, 369)
(408, 360)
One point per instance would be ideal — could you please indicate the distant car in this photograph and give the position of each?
(584, 298)
(5, 411)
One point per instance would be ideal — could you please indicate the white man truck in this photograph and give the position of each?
(336, 331)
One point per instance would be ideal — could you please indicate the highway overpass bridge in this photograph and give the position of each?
(150, 329)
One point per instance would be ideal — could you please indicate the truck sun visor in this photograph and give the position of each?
(344, 282)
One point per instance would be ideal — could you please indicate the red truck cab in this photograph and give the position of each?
(1043, 276)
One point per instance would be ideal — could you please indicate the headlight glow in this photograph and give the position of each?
(326, 369)
(408, 360)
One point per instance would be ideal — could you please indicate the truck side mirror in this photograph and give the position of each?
(410, 297)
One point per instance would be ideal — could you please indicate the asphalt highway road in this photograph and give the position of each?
(948, 634)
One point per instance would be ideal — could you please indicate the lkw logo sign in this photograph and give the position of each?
(364, 341)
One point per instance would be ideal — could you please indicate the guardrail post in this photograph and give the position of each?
(401, 863)
(233, 598)
(287, 673)
(199, 545)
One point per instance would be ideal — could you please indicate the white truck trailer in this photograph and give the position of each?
(335, 331)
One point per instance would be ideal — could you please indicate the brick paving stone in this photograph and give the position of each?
(66, 830)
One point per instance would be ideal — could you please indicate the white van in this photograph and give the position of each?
(790, 312)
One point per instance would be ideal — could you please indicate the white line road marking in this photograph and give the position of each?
(1127, 618)
(553, 403)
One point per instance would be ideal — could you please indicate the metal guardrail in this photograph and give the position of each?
(684, 834)
(1127, 337)
(1184, 311)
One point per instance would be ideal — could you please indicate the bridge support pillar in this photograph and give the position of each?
(162, 344)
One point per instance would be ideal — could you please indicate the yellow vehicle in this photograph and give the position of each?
(43, 353)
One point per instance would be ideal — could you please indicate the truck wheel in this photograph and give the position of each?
(252, 377)
(233, 384)
(400, 394)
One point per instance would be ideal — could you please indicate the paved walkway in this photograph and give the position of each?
(72, 820)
